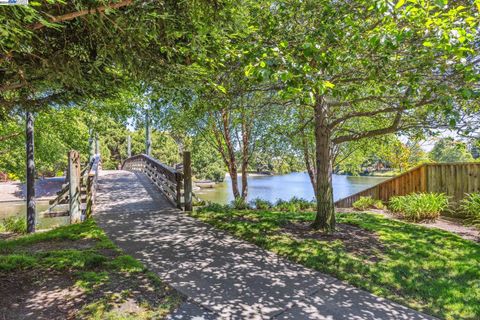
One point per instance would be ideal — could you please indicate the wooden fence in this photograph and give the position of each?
(454, 179)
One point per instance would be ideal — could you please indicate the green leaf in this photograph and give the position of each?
(399, 4)
(328, 84)
(427, 44)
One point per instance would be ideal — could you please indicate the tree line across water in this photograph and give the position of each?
(55, 136)
(324, 82)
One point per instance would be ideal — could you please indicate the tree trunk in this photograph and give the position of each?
(245, 157)
(311, 170)
(325, 218)
(232, 170)
(148, 140)
(31, 206)
(244, 180)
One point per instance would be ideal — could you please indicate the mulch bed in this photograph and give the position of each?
(39, 294)
(356, 240)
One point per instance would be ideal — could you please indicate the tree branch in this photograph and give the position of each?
(362, 114)
(372, 133)
(76, 14)
(9, 136)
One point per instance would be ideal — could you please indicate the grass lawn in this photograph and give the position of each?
(430, 270)
(76, 272)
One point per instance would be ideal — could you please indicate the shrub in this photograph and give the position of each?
(368, 203)
(419, 206)
(240, 204)
(471, 207)
(261, 204)
(294, 205)
(14, 224)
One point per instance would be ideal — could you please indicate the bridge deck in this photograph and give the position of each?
(229, 277)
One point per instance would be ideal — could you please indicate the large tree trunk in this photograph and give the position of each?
(325, 218)
(31, 206)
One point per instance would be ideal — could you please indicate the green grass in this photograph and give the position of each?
(95, 265)
(426, 269)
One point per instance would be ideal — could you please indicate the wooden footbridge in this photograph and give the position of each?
(78, 195)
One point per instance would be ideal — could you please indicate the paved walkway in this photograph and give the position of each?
(223, 277)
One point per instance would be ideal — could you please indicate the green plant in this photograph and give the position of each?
(470, 206)
(261, 204)
(240, 204)
(13, 224)
(419, 206)
(294, 205)
(368, 203)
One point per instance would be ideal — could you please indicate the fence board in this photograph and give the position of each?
(453, 179)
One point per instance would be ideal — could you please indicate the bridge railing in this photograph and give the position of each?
(91, 182)
(77, 196)
(173, 183)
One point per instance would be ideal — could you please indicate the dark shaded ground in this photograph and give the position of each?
(39, 294)
(355, 240)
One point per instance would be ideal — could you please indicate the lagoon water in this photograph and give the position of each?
(286, 186)
(19, 209)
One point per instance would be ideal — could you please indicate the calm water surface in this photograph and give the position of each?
(286, 186)
(11, 209)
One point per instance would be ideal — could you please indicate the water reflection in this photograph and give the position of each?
(286, 186)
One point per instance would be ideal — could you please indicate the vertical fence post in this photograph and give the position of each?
(178, 178)
(187, 178)
(129, 146)
(31, 207)
(74, 186)
(148, 140)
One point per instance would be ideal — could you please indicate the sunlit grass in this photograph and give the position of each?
(427, 269)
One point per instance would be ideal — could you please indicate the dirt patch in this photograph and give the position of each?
(39, 295)
(8, 236)
(356, 240)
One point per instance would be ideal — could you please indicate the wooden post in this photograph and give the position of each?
(89, 203)
(187, 178)
(148, 140)
(129, 146)
(74, 184)
(30, 149)
(178, 178)
(97, 145)
(91, 144)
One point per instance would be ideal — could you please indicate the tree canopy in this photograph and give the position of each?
(305, 80)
